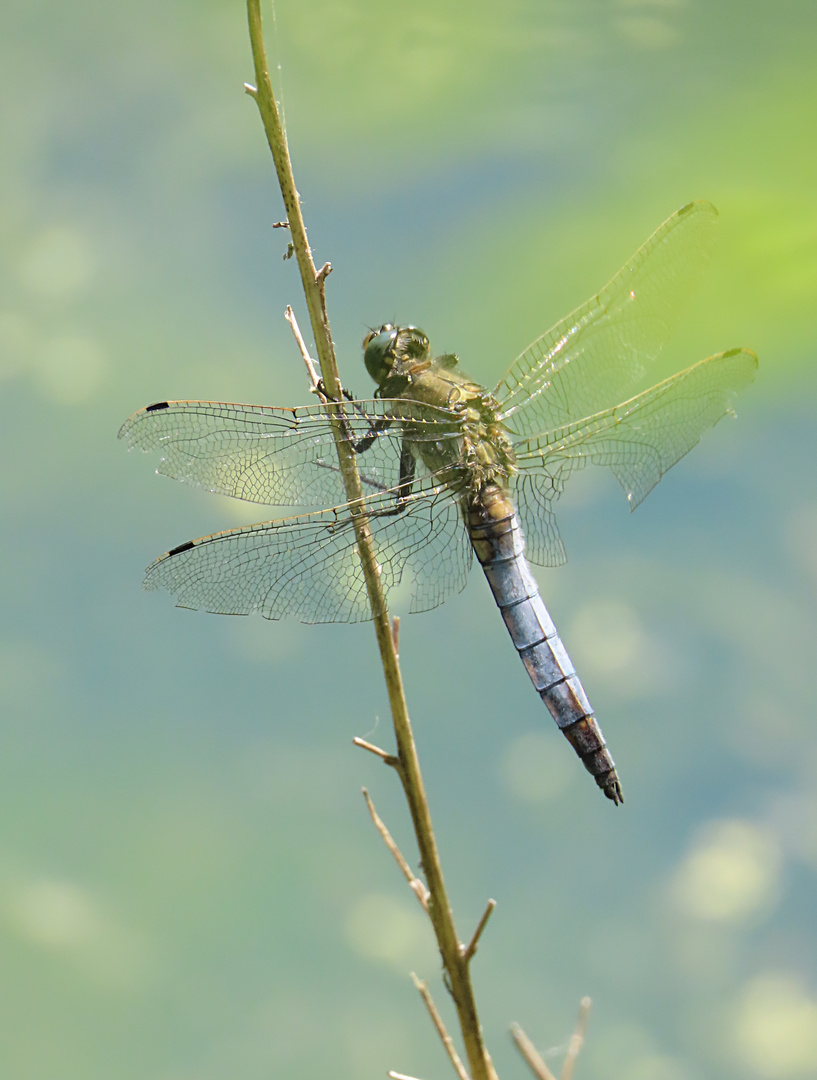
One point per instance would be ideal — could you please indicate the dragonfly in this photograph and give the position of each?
(450, 470)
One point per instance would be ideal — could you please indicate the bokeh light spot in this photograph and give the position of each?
(70, 369)
(731, 872)
(615, 646)
(533, 770)
(54, 914)
(611, 632)
(58, 263)
(68, 920)
(775, 1028)
(382, 928)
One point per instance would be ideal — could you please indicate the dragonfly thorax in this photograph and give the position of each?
(400, 362)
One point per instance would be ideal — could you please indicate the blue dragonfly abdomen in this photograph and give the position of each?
(499, 545)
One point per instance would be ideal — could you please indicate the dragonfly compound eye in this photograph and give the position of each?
(412, 343)
(378, 352)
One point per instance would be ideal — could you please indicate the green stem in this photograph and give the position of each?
(456, 964)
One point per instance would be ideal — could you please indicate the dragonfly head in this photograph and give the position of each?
(393, 346)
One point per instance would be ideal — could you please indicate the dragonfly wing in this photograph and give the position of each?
(534, 495)
(586, 361)
(308, 567)
(280, 456)
(637, 440)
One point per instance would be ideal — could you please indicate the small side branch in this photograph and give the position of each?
(388, 759)
(530, 1054)
(472, 944)
(576, 1039)
(320, 279)
(311, 370)
(415, 884)
(437, 1021)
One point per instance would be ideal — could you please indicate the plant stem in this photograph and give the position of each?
(454, 959)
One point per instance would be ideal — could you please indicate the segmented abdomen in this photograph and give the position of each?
(499, 546)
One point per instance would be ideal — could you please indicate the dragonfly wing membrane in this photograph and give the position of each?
(279, 456)
(587, 360)
(638, 441)
(535, 494)
(308, 568)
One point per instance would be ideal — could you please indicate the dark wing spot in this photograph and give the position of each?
(182, 547)
(157, 406)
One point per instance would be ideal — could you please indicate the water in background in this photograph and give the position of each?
(190, 887)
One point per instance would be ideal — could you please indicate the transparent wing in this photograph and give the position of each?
(589, 359)
(308, 567)
(638, 440)
(279, 456)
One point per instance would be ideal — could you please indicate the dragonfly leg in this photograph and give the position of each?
(321, 389)
(375, 428)
(406, 482)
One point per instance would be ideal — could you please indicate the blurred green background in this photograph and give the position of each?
(190, 887)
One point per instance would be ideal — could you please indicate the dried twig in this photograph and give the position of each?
(389, 759)
(437, 1021)
(468, 953)
(417, 886)
(530, 1054)
(314, 378)
(576, 1039)
(320, 278)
